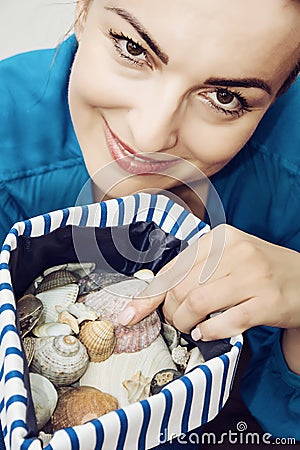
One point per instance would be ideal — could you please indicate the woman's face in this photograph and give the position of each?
(157, 81)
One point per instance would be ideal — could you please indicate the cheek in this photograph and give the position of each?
(215, 144)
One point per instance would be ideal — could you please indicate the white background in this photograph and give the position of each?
(31, 24)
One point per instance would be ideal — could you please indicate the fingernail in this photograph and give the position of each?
(126, 315)
(196, 334)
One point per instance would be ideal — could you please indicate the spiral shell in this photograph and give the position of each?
(61, 359)
(80, 405)
(99, 339)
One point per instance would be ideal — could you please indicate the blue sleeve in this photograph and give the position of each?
(270, 390)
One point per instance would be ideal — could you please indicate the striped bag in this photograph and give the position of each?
(54, 238)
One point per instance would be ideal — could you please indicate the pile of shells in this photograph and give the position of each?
(72, 339)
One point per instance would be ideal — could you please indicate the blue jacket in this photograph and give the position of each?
(42, 169)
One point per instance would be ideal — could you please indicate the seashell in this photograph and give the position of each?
(162, 378)
(29, 348)
(109, 302)
(29, 310)
(98, 280)
(45, 438)
(56, 279)
(138, 387)
(171, 335)
(80, 405)
(180, 355)
(79, 269)
(109, 375)
(51, 329)
(196, 358)
(62, 359)
(99, 339)
(62, 296)
(64, 317)
(82, 312)
(144, 274)
(44, 397)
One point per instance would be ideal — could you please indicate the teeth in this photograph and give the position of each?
(127, 153)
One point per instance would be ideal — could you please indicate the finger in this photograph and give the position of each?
(139, 308)
(233, 321)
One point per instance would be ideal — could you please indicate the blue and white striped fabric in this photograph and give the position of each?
(185, 404)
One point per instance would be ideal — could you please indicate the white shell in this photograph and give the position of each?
(124, 366)
(62, 296)
(138, 387)
(82, 312)
(52, 329)
(44, 398)
(196, 358)
(62, 359)
(180, 355)
(144, 274)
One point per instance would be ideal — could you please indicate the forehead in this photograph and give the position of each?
(252, 35)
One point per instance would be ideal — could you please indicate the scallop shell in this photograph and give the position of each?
(44, 397)
(98, 280)
(110, 374)
(29, 309)
(109, 302)
(62, 296)
(29, 348)
(61, 359)
(56, 279)
(79, 269)
(99, 339)
(80, 405)
(52, 329)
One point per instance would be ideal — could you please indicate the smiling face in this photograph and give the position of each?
(157, 81)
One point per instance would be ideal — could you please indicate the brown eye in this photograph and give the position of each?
(224, 96)
(134, 49)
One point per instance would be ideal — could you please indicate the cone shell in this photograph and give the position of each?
(61, 359)
(80, 405)
(61, 296)
(56, 279)
(109, 302)
(99, 339)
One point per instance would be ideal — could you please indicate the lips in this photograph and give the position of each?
(131, 161)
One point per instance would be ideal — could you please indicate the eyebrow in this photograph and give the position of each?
(240, 82)
(142, 32)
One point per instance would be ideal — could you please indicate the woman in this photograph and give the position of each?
(156, 82)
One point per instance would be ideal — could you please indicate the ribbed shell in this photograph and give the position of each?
(98, 280)
(80, 405)
(56, 279)
(61, 296)
(29, 309)
(29, 348)
(61, 359)
(99, 339)
(110, 301)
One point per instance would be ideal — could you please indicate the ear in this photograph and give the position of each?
(81, 11)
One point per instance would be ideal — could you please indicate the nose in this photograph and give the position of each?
(155, 118)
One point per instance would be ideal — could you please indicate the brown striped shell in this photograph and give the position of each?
(99, 339)
(29, 309)
(61, 359)
(80, 405)
(56, 279)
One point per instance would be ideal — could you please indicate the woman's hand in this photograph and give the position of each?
(252, 282)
